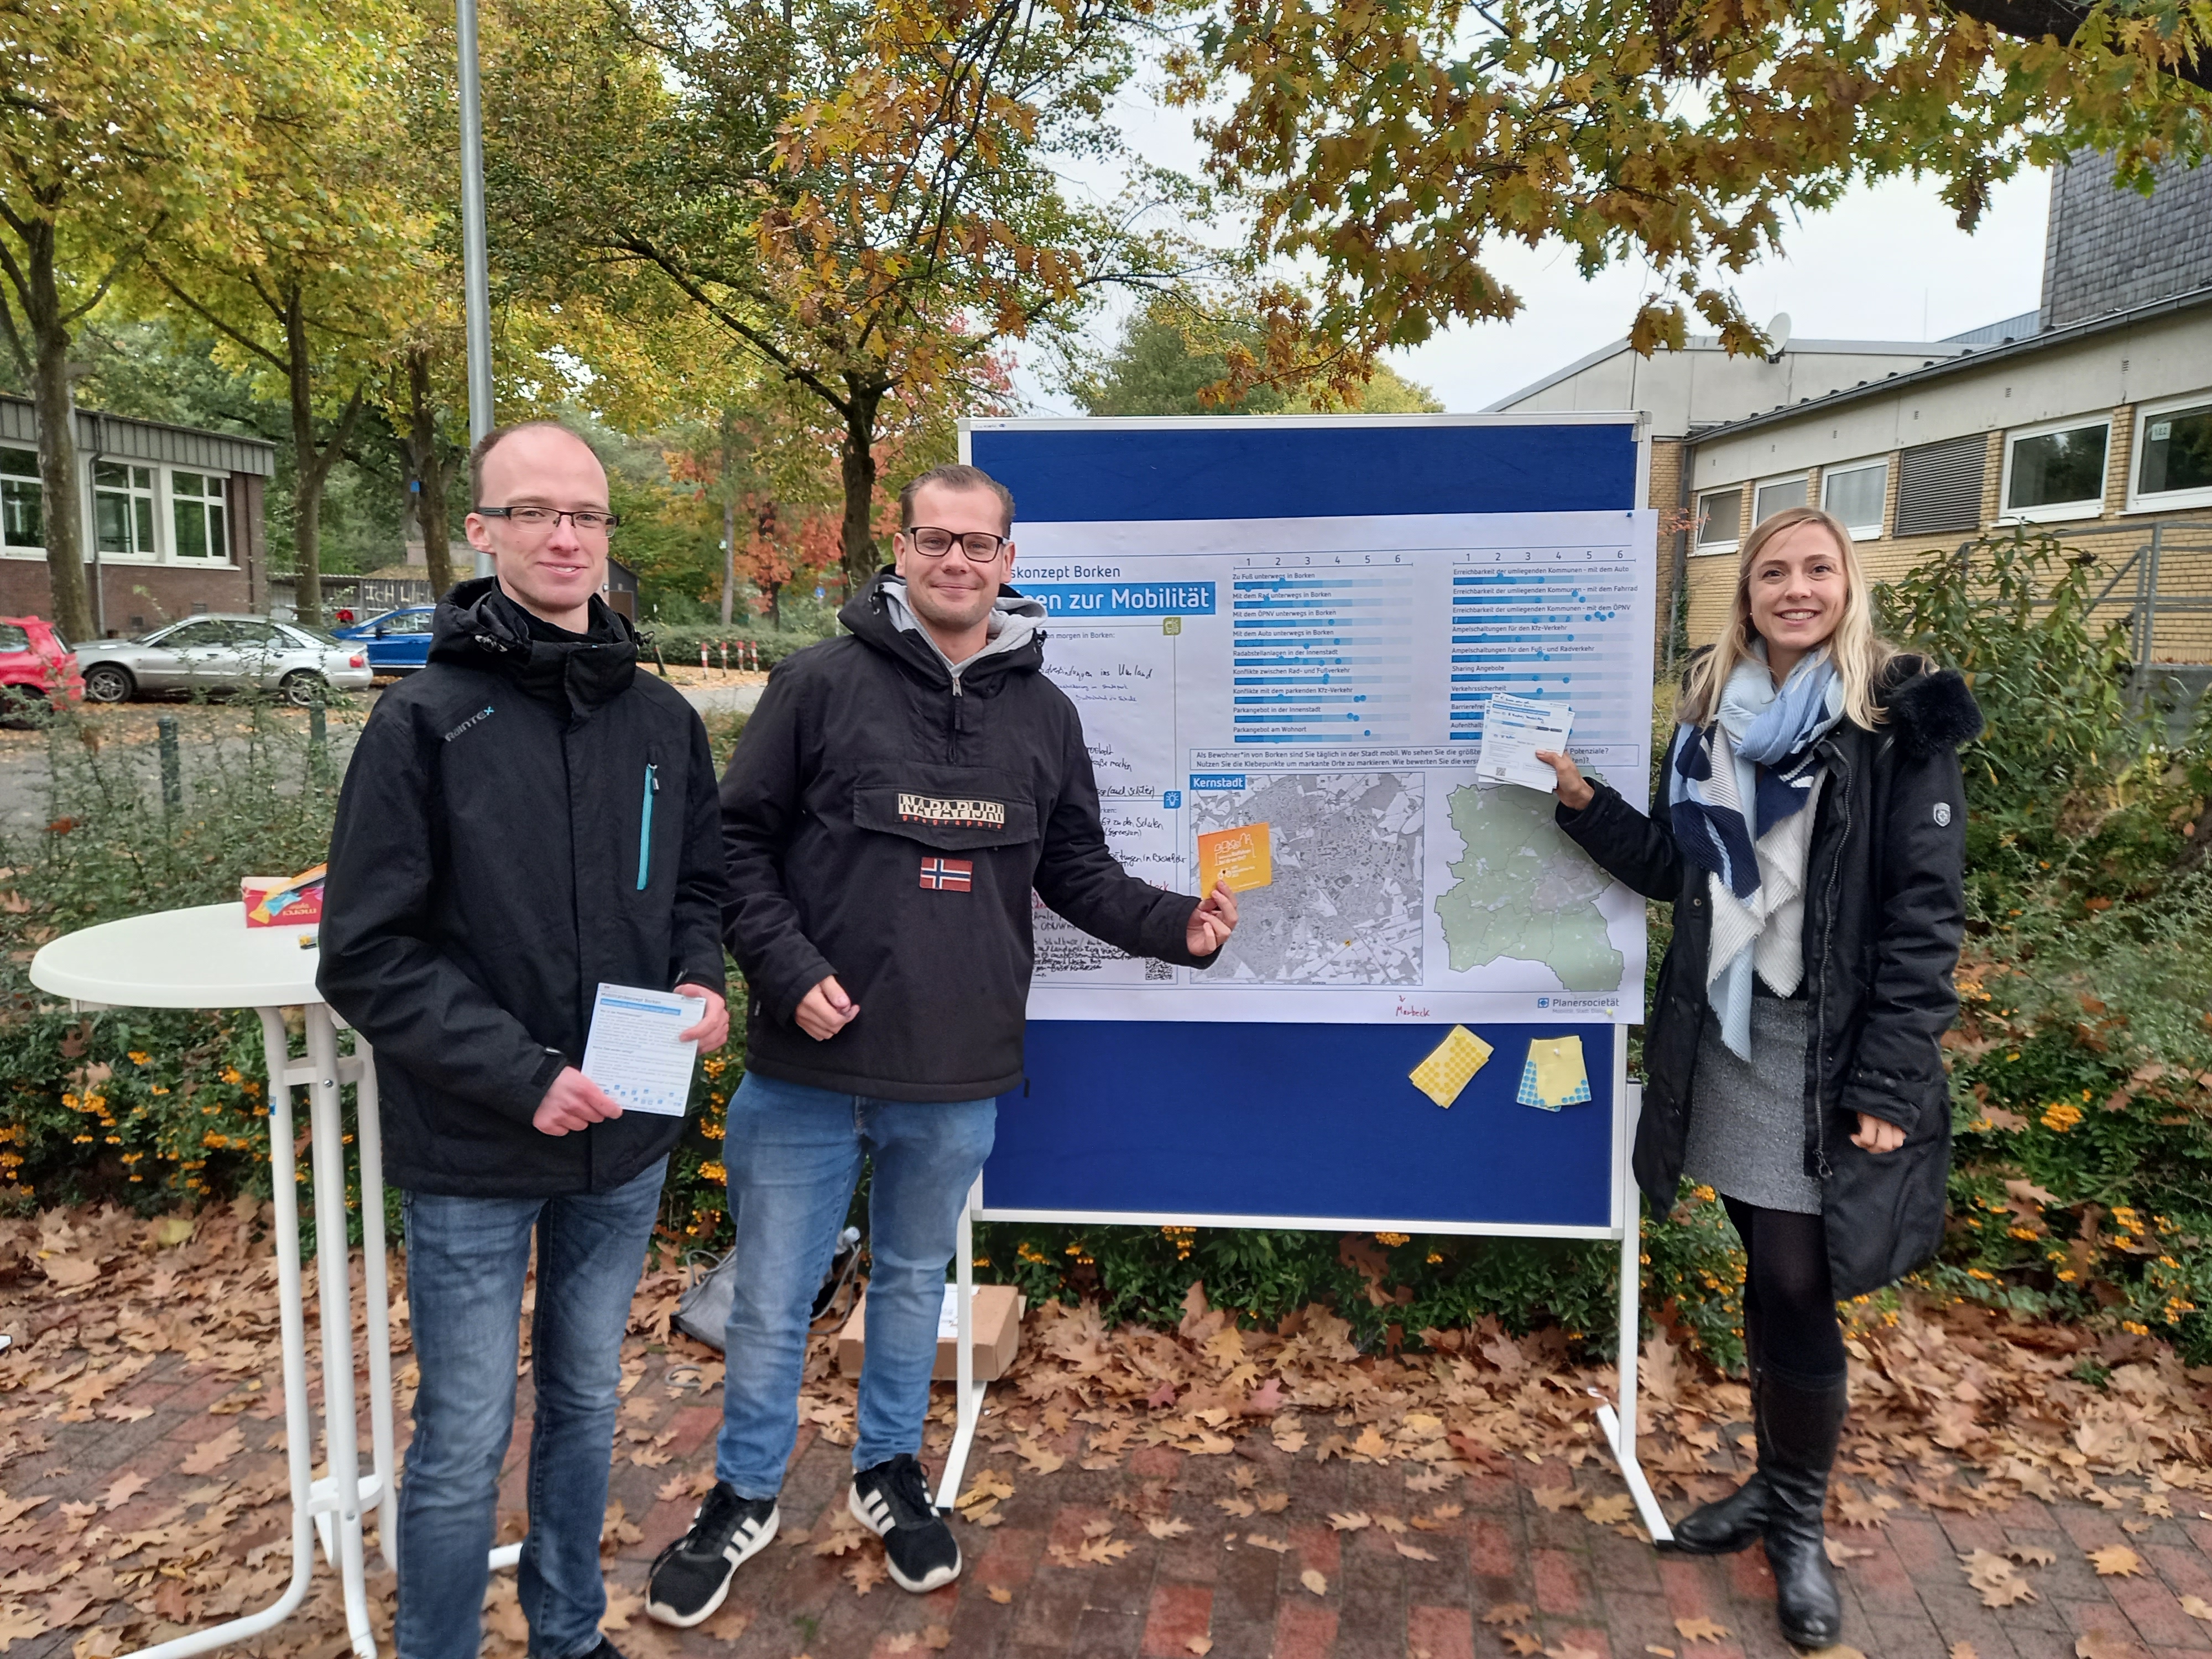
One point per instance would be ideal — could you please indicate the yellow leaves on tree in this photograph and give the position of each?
(1389, 145)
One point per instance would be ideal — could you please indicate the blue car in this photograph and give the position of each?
(399, 642)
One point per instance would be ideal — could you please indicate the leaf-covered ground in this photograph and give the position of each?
(2005, 1488)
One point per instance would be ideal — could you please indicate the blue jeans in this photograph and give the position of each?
(466, 1258)
(793, 1153)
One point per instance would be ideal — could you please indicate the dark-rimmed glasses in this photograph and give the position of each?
(543, 519)
(977, 546)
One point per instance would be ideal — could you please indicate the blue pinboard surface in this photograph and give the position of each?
(1297, 1122)
(1251, 469)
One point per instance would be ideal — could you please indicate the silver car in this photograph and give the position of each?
(223, 653)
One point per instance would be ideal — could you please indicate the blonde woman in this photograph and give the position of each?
(1813, 844)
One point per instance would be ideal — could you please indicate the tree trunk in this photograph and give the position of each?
(729, 516)
(862, 556)
(61, 491)
(430, 506)
(310, 467)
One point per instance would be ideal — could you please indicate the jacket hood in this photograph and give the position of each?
(477, 626)
(880, 617)
(1931, 708)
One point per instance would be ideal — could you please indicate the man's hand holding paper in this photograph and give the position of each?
(642, 1046)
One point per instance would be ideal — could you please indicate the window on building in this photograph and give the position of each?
(1720, 519)
(2174, 456)
(123, 509)
(22, 523)
(196, 504)
(1854, 495)
(1775, 495)
(2057, 471)
(1939, 486)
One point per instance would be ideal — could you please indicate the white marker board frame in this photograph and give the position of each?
(1156, 448)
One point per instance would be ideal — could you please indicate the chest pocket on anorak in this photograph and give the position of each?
(946, 811)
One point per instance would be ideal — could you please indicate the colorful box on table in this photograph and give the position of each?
(283, 901)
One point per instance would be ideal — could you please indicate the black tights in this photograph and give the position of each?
(1788, 1308)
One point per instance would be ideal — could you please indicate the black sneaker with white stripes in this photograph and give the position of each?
(892, 1501)
(691, 1576)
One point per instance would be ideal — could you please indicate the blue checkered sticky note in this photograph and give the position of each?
(1553, 1075)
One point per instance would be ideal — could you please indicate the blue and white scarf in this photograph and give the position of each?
(1759, 748)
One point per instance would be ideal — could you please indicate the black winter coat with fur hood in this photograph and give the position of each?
(1884, 913)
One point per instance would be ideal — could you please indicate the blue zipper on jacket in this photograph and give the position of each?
(645, 827)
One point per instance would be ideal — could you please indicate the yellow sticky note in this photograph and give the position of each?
(1450, 1065)
(1555, 1075)
(1242, 857)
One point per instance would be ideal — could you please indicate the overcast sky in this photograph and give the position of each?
(1887, 263)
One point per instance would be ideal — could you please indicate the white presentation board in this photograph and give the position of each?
(1327, 678)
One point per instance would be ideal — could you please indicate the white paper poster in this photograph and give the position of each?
(1323, 682)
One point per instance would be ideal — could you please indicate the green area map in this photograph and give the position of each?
(1523, 890)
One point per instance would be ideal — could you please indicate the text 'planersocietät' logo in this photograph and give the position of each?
(939, 809)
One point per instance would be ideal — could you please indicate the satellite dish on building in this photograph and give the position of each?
(1777, 336)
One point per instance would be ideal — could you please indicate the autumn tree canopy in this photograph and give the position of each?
(1387, 145)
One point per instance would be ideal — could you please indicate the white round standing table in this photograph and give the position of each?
(208, 959)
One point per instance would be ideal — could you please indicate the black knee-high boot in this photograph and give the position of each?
(1738, 1520)
(1803, 1424)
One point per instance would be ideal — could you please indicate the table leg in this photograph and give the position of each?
(299, 1425)
(368, 1144)
(341, 1416)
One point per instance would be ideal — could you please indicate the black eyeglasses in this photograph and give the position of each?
(589, 522)
(978, 546)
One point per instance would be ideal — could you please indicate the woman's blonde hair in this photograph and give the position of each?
(1859, 654)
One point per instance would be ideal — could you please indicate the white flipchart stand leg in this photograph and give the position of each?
(1618, 1421)
(968, 1397)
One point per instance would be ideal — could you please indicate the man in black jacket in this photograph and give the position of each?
(897, 796)
(525, 819)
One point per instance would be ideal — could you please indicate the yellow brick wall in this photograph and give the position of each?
(2185, 570)
(2118, 456)
(1666, 496)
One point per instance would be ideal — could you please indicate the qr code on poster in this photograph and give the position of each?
(1156, 969)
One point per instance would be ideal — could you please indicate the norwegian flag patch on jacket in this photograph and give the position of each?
(948, 875)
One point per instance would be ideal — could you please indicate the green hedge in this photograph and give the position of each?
(2082, 1187)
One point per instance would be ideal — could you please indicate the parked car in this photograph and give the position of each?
(399, 642)
(36, 670)
(223, 653)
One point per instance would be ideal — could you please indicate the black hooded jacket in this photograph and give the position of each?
(885, 820)
(1884, 913)
(523, 818)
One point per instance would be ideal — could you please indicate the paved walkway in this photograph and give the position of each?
(160, 1484)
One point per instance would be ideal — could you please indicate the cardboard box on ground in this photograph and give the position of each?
(994, 1337)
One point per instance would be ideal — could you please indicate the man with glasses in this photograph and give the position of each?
(523, 820)
(898, 795)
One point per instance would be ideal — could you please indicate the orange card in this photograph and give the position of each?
(1242, 857)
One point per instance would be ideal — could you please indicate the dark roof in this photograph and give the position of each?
(2110, 322)
(127, 438)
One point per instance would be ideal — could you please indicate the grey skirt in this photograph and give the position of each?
(1747, 1117)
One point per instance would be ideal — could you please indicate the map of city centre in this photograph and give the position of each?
(1343, 905)
(1524, 892)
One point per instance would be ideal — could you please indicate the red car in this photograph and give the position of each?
(36, 670)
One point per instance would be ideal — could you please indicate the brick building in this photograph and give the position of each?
(2092, 414)
(176, 518)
